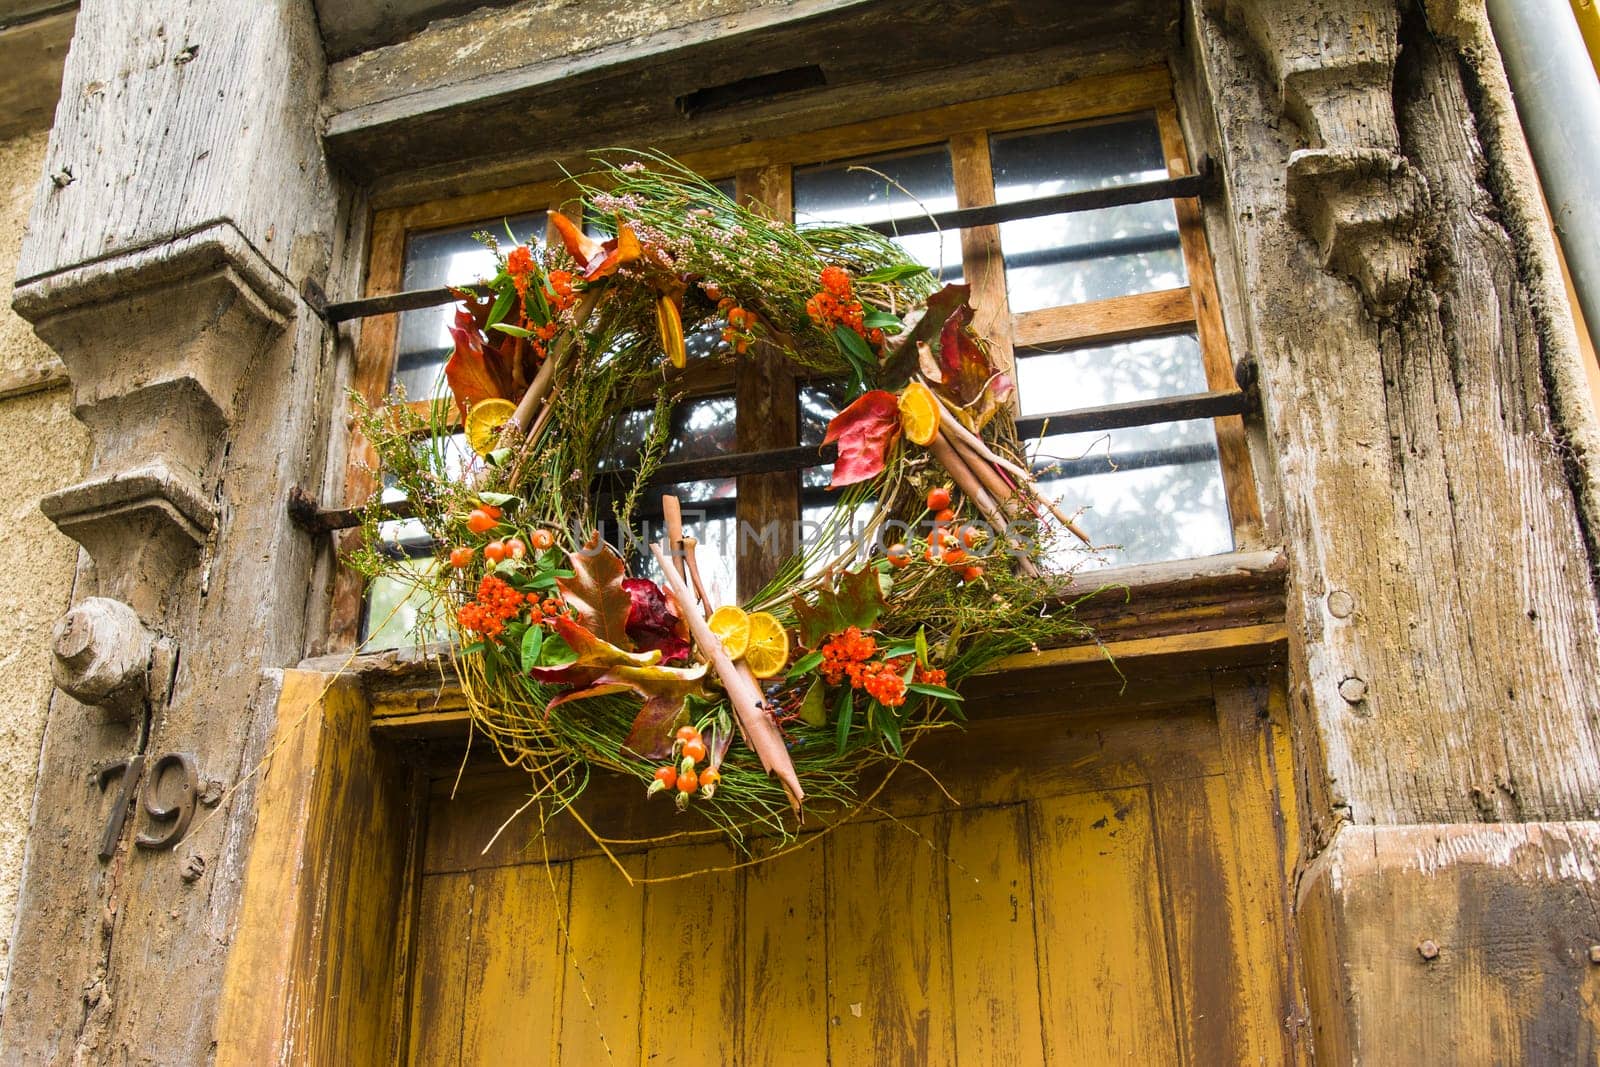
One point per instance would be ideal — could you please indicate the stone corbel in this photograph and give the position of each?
(157, 344)
(1354, 194)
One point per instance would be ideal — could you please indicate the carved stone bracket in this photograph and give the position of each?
(1353, 193)
(157, 344)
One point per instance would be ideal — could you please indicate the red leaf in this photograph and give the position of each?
(864, 430)
(477, 370)
(651, 623)
(966, 372)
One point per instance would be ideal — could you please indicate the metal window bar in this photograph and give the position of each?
(305, 511)
(1197, 184)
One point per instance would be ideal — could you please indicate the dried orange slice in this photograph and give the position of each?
(484, 422)
(732, 627)
(919, 413)
(768, 651)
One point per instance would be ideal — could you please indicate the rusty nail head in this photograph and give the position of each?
(193, 868)
(1594, 953)
(1428, 949)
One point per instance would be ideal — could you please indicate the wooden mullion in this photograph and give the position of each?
(982, 261)
(374, 368)
(1102, 321)
(1238, 478)
(767, 416)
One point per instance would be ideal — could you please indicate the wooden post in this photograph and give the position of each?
(1444, 642)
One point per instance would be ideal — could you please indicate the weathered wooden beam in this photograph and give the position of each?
(405, 106)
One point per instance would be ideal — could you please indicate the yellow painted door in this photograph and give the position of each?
(1110, 889)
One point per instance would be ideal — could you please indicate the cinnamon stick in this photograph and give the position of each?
(749, 707)
(547, 371)
(975, 445)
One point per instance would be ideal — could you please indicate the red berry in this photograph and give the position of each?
(667, 776)
(494, 551)
(899, 555)
(515, 548)
(542, 539)
(480, 521)
(971, 574)
(460, 557)
(695, 749)
(945, 517)
(688, 783)
(491, 511)
(938, 499)
(687, 733)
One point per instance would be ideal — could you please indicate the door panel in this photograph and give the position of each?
(1093, 900)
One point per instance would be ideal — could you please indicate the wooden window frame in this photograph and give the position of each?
(766, 391)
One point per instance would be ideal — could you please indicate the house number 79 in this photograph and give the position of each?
(171, 820)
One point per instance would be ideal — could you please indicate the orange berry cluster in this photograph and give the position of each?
(848, 654)
(836, 305)
(740, 331)
(560, 297)
(497, 603)
(689, 748)
(948, 543)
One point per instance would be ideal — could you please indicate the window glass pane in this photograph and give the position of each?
(396, 615)
(907, 185)
(1085, 255)
(701, 428)
(1090, 375)
(819, 403)
(1155, 492)
(434, 259)
(709, 517)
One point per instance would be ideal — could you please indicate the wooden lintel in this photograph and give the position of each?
(1191, 615)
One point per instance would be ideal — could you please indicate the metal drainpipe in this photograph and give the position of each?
(1558, 100)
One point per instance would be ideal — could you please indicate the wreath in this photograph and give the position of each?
(930, 566)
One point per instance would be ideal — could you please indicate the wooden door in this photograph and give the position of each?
(1111, 888)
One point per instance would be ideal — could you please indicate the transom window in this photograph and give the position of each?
(1087, 309)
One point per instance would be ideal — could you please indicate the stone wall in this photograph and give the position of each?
(48, 449)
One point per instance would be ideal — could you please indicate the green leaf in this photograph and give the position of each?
(882, 320)
(540, 312)
(514, 331)
(845, 712)
(814, 708)
(938, 691)
(804, 665)
(502, 306)
(532, 644)
(922, 645)
(898, 649)
(554, 652)
(499, 500)
(854, 345)
(858, 601)
(898, 272)
(889, 727)
(472, 649)
(498, 457)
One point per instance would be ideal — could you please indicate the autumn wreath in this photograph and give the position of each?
(930, 566)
